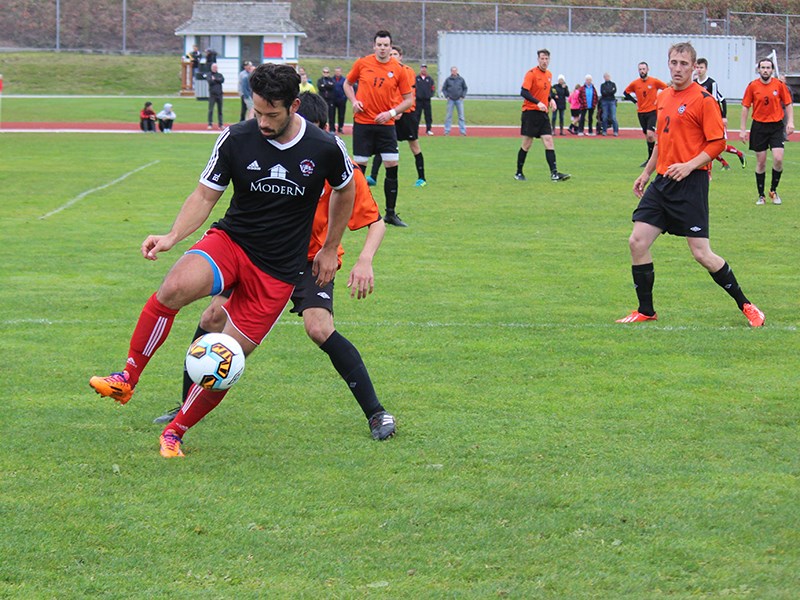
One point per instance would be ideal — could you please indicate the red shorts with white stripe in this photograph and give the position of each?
(258, 298)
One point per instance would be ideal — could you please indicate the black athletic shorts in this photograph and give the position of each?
(307, 294)
(677, 207)
(647, 121)
(369, 140)
(535, 123)
(407, 127)
(767, 135)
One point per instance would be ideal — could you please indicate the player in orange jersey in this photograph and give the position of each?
(535, 92)
(771, 101)
(380, 83)
(690, 134)
(646, 90)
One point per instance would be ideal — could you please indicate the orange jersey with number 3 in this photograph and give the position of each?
(767, 100)
(646, 92)
(379, 86)
(538, 83)
(687, 121)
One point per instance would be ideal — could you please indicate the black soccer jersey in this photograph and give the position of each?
(711, 87)
(276, 188)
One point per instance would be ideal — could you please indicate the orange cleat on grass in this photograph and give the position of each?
(637, 317)
(754, 316)
(115, 386)
(171, 444)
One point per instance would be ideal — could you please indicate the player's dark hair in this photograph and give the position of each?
(702, 61)
(644, 63)
(544, 51)
(398, 49)
(766, 59)
(313, 109)
(382, 33)
(275, 83)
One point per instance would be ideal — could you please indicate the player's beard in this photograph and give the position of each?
(274, 134)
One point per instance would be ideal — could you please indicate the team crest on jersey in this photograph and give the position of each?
(307, 167)
(391, 74)
(682, 109)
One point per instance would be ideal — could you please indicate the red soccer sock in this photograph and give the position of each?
(199, 402)
(151, 330)
(733, 150)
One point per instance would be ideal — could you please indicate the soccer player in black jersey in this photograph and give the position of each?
(702, 78)
(314, 303)
(278, 165)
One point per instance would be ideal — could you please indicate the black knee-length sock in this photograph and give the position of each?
(348, 363)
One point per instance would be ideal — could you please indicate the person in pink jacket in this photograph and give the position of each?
(574, 101)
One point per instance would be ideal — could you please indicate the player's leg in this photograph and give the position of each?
(777, 171)
(386, 145)
(377, 161)
(642, 271)
(190, 278)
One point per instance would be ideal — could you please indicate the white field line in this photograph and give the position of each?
(97, 189)
(437, 325)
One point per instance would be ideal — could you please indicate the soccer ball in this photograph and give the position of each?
(215, 361)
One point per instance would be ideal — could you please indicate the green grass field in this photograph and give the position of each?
(543, 450)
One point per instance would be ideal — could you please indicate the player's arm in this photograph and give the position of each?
(394, 112)
(789, 108)
(192, 215)
(326, 262)
(627, 96)
(362, 278)
(641, 182)
(743, 134)
(351, 95)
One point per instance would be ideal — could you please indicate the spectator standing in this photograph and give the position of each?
(339, 99)
(215, 80)
(194, 56)
(690, 135)
(455, 90)
(245, 91)
(589, 99)
(701, 76)
(643, 93)
(325, 88)
(608, 104)
(147, 118)
(305, 84)
(375, 109)
(535, 92)
(166, 117)
(425, 90)
(211, 57)
(559, 93)
(772, 103)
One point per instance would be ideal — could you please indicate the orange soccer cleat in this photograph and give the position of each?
(754, 316)
(115, 386)
(171, 444)
(637, 317)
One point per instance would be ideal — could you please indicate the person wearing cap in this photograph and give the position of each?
(166, 117)
(426, 89)
(559, 92)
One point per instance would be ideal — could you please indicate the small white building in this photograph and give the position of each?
(240, 31)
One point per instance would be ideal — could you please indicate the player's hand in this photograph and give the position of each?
(743, 135)
(542, 106)
(154, 244)
(383, 117)
(789, 130)
(678, 171)
(640, 184)
(362, 280)
(325, 264)
(358, 106)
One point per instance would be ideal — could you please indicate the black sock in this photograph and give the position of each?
(727, 281)
(550, 156)
(650, 146)
(419, 161)
(377, 161)
(760, 179)
(521, 156)
(363, 168)
(348, 363)
(644, 277)
(187, 381)
(390, 189)
(776, 179)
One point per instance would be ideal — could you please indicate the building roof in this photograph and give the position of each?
(240, 18)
